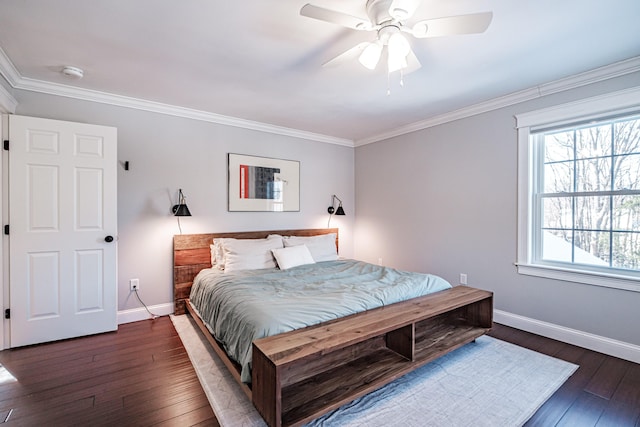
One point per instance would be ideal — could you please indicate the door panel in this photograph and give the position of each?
(42, 198)
(62, 204)
(89, 286)
(88, 200)
(43, 286)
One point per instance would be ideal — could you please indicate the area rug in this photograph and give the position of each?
(485, 383)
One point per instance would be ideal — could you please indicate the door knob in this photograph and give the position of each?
(108, 239)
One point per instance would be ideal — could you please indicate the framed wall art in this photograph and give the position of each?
(263, 184)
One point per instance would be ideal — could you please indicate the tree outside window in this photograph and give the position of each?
(587, 194)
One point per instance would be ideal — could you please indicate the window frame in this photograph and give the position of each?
(613, 104)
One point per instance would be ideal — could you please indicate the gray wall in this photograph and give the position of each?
(443, 200)
(167, 153)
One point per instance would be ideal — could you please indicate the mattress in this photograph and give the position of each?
(240, 307)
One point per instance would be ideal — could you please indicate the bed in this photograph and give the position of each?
(297, 309)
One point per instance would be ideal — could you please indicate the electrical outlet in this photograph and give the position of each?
(134, 284)
(463, 279)
(380, 261)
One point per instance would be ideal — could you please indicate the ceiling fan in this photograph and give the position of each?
(389, 19)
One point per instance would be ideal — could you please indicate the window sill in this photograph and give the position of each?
(580, 276)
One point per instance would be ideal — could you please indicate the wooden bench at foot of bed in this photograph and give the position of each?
(302, 374)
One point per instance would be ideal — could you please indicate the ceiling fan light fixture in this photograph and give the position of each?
(396, 62)
(371, 55)
(398, 48)
(398, 44)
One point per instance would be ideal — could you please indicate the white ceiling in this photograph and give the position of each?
(260, 61)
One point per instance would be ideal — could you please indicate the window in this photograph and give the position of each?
(579, 191)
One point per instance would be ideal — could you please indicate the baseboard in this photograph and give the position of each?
(593, 342)
(136, 314)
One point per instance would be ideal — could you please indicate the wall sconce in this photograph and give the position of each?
(181, 208)
(332, 209)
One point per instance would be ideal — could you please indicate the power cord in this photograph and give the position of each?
(153, 316)
(179, 226)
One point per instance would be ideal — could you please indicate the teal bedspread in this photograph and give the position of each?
(242, 306)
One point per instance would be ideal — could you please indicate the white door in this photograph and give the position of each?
(63, 225)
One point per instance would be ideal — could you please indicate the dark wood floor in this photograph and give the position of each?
(604, 391)
(138, 376)
(142, 376)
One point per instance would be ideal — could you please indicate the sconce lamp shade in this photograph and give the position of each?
(181, 208)
(332, 209)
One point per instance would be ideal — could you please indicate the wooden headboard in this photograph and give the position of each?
(191, 253)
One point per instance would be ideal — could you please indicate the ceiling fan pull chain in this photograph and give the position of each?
(401, 77)
(388, 83)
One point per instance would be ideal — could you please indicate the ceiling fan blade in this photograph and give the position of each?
(403, 9)
(334, 17)
(347, 56)
(452, 25)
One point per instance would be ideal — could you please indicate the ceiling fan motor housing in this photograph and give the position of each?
(386, 32)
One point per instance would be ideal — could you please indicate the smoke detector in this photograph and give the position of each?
(73, 72)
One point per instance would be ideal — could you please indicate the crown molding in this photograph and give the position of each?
(599, 74)
(171, 110)
(8, 70)
(8, 103)
(14, 78)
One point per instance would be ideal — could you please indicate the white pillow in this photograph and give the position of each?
(217, 254)
(217, 251)
(249, 254)
(292, 256)
(322, 247)
(214, 255)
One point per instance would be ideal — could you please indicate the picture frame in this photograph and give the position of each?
(263, 184)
